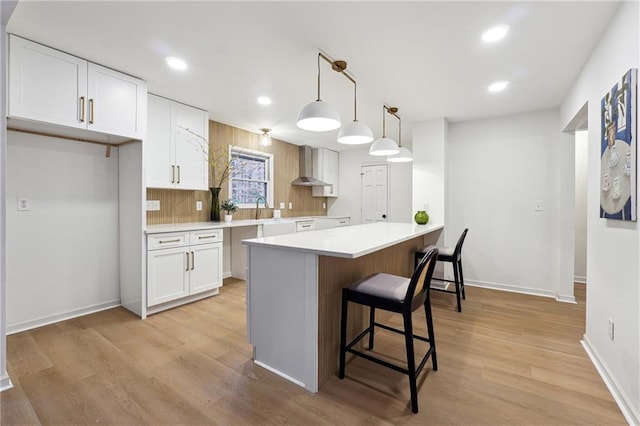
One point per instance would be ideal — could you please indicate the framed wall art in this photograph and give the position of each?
(618, 150)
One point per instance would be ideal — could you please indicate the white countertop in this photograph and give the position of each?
(348, 241)
(197, 226)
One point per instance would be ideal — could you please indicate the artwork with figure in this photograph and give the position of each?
(618, 150)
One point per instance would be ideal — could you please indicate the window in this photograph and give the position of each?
(251, 178)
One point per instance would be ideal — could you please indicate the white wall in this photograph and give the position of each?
(613, 247)
(497, 170)
(349, 201)
(62, 255)
(429, 160)
(581, 173)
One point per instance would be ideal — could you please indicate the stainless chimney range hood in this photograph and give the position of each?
(306, 169)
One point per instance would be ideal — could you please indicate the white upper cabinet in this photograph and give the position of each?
(50, 86)
(176, 146)
(325, 168)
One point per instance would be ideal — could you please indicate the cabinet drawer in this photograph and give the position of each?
(174, 239)
(306, 225)
(343, 221)
(205, 236)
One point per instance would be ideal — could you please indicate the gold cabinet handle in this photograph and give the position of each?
(173, 174)
(187, 253)
(193, 261)
(91, 111)
(178, 174)
(82, 106)
(200, 237)
(177, 240)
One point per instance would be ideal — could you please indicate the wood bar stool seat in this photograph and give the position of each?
(395, 294)
(453, 256)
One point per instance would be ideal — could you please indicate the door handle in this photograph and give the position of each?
(91, 111)
(384, 216)
(178, 174)
(193, 261)
(173, 174)
(187, 253)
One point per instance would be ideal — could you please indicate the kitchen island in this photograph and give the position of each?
(294, 287)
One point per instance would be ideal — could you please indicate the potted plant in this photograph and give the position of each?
(229, 207)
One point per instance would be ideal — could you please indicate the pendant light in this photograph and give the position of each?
(404, 155)
(265, 138)
(354, 133)
(385, 145)
(318, 116)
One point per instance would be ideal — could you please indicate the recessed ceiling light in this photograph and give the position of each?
(498, 86)
(176, 63)
(264, 100)
(495, 33)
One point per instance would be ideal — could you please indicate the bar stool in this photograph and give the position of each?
(446, 254)
(395, 294)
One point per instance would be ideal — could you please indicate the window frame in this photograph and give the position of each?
(269, 165)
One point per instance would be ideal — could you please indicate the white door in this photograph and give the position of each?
(116, 102)
(159, 151)
(192, 148)
(46, 85)
(167, 275)
(206, 267)
(374, 193)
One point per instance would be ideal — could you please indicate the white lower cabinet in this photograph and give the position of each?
(183, 264)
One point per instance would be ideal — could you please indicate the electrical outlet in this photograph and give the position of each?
(199, 205)
(324, 205)
(24, 204)
(281, 205)
(611, 330)
(290, 205)
(153, 205)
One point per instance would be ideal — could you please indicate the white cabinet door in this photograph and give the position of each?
(206, 267)
(159, 149)
(192, 147)
(167, 275)
(176, 145)
(116, 103)
(46, 85)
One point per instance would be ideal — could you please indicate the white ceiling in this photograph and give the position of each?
(426, 58)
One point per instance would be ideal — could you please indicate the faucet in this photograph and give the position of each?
(266, 205)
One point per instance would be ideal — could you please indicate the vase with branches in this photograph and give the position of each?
(221, 167)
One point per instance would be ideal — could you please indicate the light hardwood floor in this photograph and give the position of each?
(506, 359)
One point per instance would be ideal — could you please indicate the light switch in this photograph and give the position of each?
(198, 205)
(290, 205)
(24, 204)
(281, 206)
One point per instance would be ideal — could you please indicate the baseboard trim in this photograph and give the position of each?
(5, 382)
(226, 275)
(619, 396)
(511, 288)
(279, 373)
(566, 298)
(40, 322)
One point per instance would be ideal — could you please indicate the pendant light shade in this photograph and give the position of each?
(318, 116)
(355, 133)
(404, 156)
(383, 146)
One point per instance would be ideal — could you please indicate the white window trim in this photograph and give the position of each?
(270, 166)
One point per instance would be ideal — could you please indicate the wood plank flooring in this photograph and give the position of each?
(507, 359)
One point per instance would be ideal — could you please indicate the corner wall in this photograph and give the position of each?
(613, 247)
(497, 170)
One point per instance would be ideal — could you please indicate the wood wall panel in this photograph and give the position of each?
(179, 206)
(336, 273)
